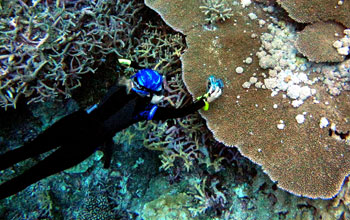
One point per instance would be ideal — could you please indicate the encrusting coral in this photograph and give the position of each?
(216, 10)
(301, 158)
(168, 207)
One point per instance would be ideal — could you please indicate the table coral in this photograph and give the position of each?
(311, 11)
(316, 42)
(323, 13)
(301, 158)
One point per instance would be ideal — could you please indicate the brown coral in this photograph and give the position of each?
(311, 11)
(319, 11)
(316, 42)
(303, 159)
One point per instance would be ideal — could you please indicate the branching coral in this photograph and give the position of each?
(182, 140)
(206, 196)
(46, 47)
(216, 10)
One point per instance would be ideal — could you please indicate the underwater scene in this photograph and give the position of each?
(174, 109)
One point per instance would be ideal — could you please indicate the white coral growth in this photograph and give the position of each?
(343, 45)
(216, 10)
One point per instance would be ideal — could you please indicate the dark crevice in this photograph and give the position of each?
(337, 134)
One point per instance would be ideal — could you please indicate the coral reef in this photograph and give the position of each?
(335, 77)
(301, 157)
(200, 178)
(86, 164)
(316, 42)
(46, 47)
(207, 196)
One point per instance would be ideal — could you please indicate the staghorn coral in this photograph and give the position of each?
(46, 47)
(301, 158)
(206, 196)
(316, 42)
(161, 45)
(216, 10)
(306, 11)
(158, 50)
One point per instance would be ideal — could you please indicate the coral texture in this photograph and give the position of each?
(301, 158)
(311, 11)
(316, 42)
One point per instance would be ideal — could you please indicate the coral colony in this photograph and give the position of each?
(282, 90)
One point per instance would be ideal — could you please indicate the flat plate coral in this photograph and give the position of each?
(303, 158)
